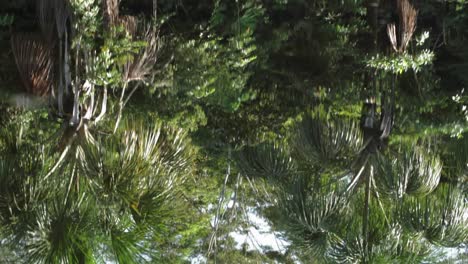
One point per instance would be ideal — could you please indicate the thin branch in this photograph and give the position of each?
(131, 93)
(391, 32)
(59, 161)
(103, 106)
(121, 104)
(139, 68)
(89, 91)
(76, 90)
(213, 240)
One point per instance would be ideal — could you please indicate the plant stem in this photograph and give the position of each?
(365, 215)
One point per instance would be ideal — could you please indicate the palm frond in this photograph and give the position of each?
(21, 168)
(111, 12)
(442, 216)
(269, 161)
(414, 171)
(124, 244)
(394, 247)
(400, 247)
(321, 141)
(351, 251)
(139, 170)
(309, 217)
(139, 68)
(34, 61)
(62, 232)
(456, 160)
(130, 24)
(408, 16)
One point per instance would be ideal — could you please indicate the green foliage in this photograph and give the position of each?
(322, 140)
(239, 17)
(219, 74)
(322, 203)
(441, 217)
(87, 20)
(118, 49)
(265, 161)
(109, 199)
(401, 63)
(414, 171)
(240, 75)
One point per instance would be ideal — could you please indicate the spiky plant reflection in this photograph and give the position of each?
(107, 202)
(322, 195)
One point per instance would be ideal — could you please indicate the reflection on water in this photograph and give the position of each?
(233, 132)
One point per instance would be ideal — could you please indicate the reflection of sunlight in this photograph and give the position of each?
(198, 259)
(452, 253)
(259, 235)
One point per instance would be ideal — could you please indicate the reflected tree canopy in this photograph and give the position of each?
(282, 131)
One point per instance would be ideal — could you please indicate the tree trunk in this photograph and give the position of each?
(60, 85)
